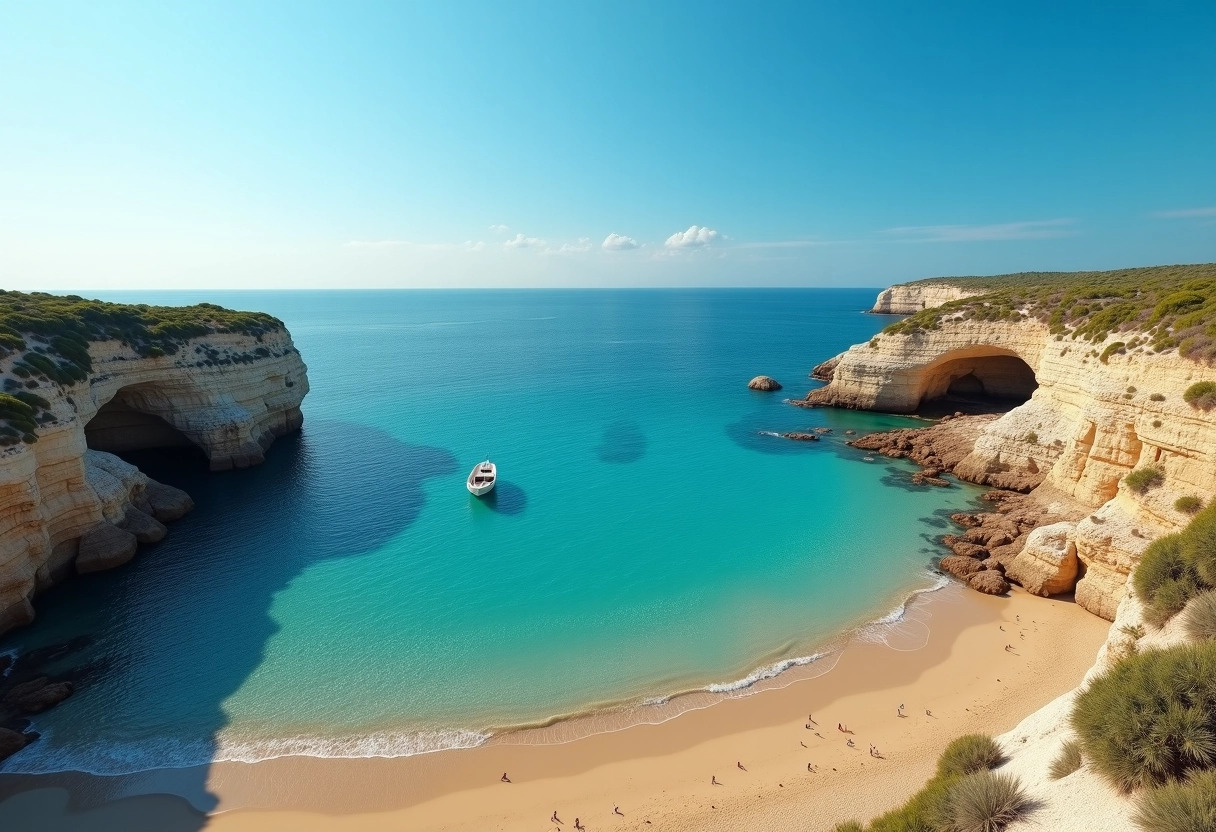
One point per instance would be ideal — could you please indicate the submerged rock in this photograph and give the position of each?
(764, 383)
(801, 437)
(105, 547)
(11, 742)
(36, 695)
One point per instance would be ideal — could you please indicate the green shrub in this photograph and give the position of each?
(1067, 761)
(1116, 348)
(984, 802)
(1157, 397)
(1199, 617)
(1180, 807)
(968, 754)
(849, 826)
(1165, 579)
(1031, 438)
(922, 813)
(1201, 395)
(1152, 718)
(1199, 545)
(1156, 423)
(1188, 504)
(1142, 479)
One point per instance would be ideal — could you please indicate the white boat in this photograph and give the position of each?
(482, 478)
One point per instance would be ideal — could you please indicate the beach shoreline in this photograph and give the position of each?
(960, 679)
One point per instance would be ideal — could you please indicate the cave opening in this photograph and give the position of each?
(128, 426)
(978, 382)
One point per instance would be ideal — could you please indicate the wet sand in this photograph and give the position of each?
(948, 660)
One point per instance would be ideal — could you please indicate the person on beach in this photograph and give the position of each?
(616, 810)
(713, 780)
(810, 768)
(900, 710)
(555, 818)
(740, 765)
(928, 712)
(850, 743)
(808, 726)
(800, 742)
(1008, 648)
(811, 719)
(505, 778)
(819, 735)
(578, 824)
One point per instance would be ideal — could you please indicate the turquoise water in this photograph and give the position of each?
(647, 536)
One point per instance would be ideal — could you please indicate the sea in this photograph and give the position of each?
(651, 534)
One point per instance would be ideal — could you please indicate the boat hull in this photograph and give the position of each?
(479, 490)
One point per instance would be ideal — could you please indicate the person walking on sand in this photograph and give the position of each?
(713, 780)
(740, 765)
(505, 778)
(616, 810)
(555, 818)
(811, 719)
(578, 824)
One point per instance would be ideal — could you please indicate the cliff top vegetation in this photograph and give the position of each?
(58, 328)
(48, 337)
(1164, 307)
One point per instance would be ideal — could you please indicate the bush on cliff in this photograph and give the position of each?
(1152, 718)
(930, 809)
(1165, 579)
(1201, 394)
(1188, 504)
(1142, 479)
(1199, 617)
(1068, 760)
(983, 802)
(1189, 806)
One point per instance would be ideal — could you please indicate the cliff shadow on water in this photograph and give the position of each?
(205, 593)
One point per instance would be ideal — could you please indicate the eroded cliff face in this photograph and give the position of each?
(1086, 425)
(65, 508)
(904, 300)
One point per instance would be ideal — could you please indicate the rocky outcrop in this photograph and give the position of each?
(940, 447)
(764, 383)
(66, 506)
(913, 297)
(1047, 564)
(825, 369)
(1088, 416)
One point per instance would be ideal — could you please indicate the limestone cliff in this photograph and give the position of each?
(66, 508)
(1091, 415)
(913, 297)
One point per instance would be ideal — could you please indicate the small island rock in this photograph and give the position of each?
(764, 383)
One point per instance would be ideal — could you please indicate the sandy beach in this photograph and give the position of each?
(949, 668)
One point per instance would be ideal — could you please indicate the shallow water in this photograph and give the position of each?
(647, 535)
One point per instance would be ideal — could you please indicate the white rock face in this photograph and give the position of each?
(226, 394)
(913, 297)
(1087, 425)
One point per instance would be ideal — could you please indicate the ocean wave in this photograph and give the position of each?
(767, 672)
(113, 758)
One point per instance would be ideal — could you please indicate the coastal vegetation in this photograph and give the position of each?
(1188, 806)
(1161, 307)
(1199, 617)
(1142, 479)
(1067, 761)
(1152, 718)
(1201, 395)
(47, 338)
(1188, 504)
(963, 796)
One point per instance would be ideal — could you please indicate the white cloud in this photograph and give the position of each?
(1186, 213)
(499, 229)
(520, 241)
(695, 237)
(1028, 230)
(474, 246)
(619, 242)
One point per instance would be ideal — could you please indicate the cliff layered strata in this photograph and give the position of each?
(913, 297)
(1088, 417)
(66, 505)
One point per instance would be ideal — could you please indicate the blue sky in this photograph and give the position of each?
(250, 145)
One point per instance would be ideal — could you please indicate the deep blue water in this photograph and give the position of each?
(647, 535)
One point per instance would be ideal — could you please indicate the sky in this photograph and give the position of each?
(541, 144)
